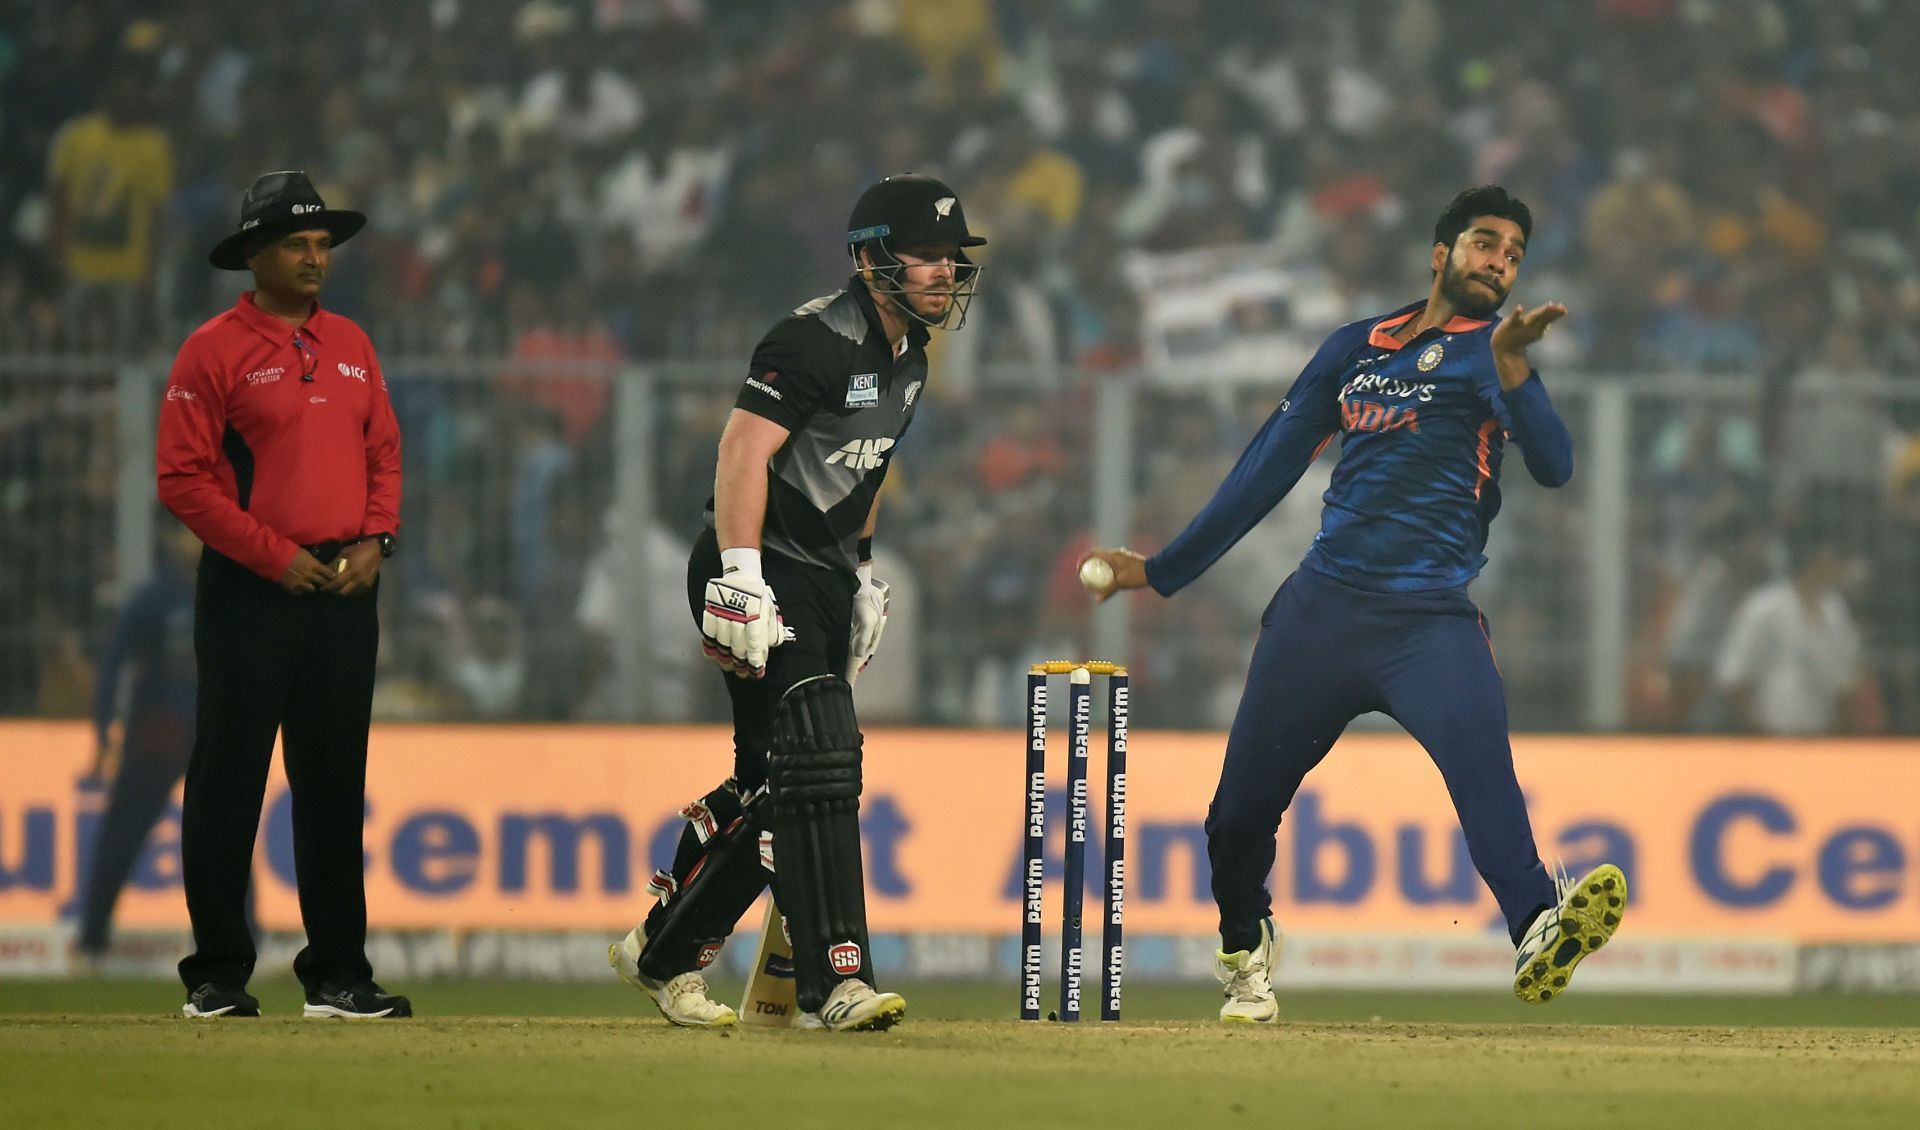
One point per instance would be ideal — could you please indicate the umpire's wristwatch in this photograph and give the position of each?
(387, 543)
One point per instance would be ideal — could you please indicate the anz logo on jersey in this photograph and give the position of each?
(862, 454)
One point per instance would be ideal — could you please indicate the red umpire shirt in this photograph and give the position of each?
(272, 437)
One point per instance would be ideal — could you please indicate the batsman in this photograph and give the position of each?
(781, 583)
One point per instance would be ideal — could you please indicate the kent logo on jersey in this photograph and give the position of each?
(863, 390)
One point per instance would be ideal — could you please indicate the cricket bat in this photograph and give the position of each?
(770, 1001)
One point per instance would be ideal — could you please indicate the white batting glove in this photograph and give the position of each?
(741, 621)
(869, 620)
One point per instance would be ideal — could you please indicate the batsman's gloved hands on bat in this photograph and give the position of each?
(869, 619)
(741, 621)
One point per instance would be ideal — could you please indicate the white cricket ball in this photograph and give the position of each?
(1096, 574)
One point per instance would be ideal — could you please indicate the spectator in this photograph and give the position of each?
(1837, 438)
(669, 188)
(1639, 227)
(487, 661)
(563, 359)
(1791, 660)
(953, 39)
(1027, 449)
(1712, 593)
(671, 658)
(109, 172)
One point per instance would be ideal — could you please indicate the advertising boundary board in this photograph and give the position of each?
(539, 829)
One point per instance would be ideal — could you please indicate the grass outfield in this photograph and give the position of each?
(114, 1054)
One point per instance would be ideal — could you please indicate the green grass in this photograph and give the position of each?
(486, 1055)
(936, 1000)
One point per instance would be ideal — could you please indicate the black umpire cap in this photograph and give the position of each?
(275, 204)
(908, 209)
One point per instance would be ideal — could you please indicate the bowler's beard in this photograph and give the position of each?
(1458, 288)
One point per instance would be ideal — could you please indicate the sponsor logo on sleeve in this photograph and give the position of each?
(765, 387)
(180, 394)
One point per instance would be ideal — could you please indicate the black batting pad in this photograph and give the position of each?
(813, 776)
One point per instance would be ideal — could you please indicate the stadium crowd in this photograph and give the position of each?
(559, 188)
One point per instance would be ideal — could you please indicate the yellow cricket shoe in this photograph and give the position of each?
(1560, 938)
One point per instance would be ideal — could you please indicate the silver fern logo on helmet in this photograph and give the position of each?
(890, 232)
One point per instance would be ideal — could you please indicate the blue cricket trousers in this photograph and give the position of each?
(1329, 653)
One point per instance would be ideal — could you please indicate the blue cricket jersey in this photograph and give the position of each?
(1423, 426)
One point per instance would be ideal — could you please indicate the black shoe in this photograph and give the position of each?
(358, 1002)
(207, 1002)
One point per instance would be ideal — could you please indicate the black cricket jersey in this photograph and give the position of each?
(827, 373)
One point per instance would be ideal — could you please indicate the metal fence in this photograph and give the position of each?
(550, 503)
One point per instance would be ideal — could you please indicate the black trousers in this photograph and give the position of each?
(300, 666)
(817, 604)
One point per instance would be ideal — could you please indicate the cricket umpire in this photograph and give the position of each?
(829, 393)
(278, 448)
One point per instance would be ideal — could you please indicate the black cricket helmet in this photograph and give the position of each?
(905, 211)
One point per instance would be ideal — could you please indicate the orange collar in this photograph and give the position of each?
(1381, 336)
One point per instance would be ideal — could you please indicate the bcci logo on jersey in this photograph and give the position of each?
(862, 454)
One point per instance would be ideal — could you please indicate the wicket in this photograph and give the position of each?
(1113, 900)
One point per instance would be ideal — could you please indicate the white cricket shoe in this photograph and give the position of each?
(1561, 937)
(855, 1006)
(682, 999)
(1248, 980)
